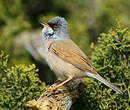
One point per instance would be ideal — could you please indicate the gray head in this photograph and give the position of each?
(56, 28)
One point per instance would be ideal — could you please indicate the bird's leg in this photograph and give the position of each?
(59, 85)
(65, 82)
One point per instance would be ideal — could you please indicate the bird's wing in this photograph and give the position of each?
(68, 51)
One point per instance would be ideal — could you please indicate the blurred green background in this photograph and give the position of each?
(86, 20)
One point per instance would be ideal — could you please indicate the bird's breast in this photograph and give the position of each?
(62, 69)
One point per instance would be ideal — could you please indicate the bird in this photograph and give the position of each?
(64, 57)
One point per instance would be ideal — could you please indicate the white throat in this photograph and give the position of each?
(49, 34)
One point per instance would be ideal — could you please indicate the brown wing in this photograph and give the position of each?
(70, 52)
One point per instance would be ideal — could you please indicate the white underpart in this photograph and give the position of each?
(47, 31)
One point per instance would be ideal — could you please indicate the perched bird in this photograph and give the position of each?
(64, 57)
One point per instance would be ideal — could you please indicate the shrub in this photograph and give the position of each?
(18, 84)
(110, 58)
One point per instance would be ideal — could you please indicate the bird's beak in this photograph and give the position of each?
(45, 25)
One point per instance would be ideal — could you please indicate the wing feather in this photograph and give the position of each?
(68, 51)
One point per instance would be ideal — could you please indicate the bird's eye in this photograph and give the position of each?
(55, 27)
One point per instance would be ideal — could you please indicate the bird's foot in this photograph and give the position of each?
(54, 88)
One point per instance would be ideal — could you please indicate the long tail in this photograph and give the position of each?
(98, 77)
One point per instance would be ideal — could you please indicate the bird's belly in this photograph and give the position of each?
(63, 69)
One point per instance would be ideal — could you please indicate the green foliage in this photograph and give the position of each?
(13, 20)
(86, 19)
(18, 84)
(110, 58)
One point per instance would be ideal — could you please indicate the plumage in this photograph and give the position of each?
(74, 55)
(65, 58)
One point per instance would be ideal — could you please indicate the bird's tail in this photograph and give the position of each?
(98, 77)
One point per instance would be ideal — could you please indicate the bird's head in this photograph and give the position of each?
(55, 29)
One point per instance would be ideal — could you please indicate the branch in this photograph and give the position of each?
(60, 99)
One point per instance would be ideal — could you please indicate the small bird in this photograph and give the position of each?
(64, 57)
